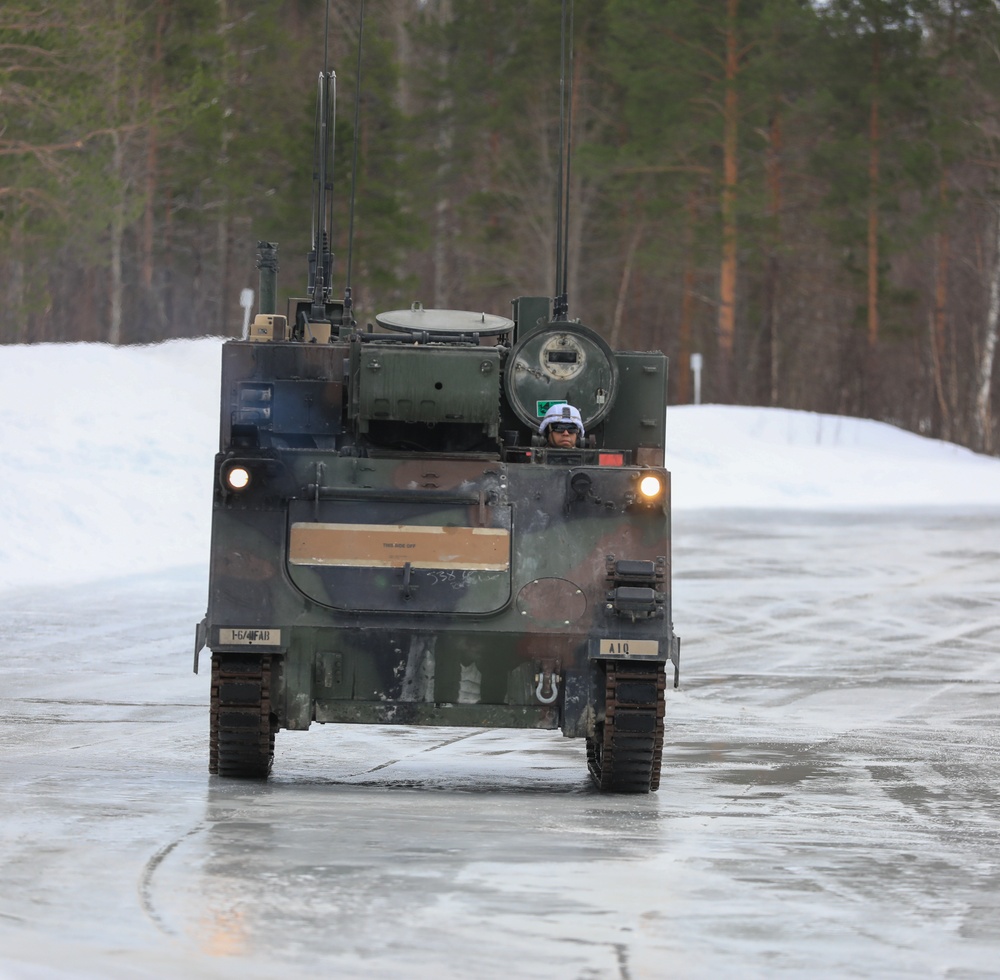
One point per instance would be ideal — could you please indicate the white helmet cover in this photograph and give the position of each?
(561, 412)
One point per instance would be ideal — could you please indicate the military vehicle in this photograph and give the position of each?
(394, 543)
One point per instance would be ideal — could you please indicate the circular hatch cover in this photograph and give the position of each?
(561, 362)
(418, 320)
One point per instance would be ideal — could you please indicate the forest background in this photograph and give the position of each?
(806, 194)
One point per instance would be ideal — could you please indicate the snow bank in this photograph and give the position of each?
(731, 456)
(107, 460)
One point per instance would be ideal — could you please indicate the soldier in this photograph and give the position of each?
(563, 424)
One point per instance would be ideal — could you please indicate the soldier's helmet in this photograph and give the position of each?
(559, 415)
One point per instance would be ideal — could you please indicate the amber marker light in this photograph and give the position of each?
(650, 486)
(238, 478)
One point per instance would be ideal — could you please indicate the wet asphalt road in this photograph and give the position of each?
(829, 803)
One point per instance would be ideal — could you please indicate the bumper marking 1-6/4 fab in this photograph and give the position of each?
(248, 637)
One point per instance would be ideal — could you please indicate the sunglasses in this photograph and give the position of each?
(563, 427)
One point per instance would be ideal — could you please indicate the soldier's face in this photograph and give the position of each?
(562, 440)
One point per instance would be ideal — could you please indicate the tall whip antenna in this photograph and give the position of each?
(326, 38)
(569, 161)
(321, 258)
(348, 301)
(560, 306)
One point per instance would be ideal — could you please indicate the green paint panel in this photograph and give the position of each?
(542, 407)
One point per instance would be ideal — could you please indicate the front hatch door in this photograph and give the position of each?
(372, 553)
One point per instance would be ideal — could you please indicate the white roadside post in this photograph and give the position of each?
(246, 301)
(696, 362)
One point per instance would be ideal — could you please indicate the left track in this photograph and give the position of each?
(625, 754)
(242, 727)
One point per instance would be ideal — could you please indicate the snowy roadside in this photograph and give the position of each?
(108, 460)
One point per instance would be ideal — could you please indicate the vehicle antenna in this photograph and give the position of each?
(560, 305)
(320, 258)
(569, 160)
(348, 301)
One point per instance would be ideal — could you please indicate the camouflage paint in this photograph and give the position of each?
(415, 559)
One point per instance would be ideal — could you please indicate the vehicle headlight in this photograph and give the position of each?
(650, 486)
(237, 478)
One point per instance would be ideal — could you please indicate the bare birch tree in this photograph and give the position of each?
(983, 417)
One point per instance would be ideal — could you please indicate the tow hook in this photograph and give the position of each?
(547, 689)
(407, 587)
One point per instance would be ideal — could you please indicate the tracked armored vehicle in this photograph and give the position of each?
(394, 543)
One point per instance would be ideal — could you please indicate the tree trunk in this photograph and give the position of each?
(983, 416)
(873, 187)
(623, 287)
(684, 394)
(441, 245)
(727, 271)
(117, 237)
(152, 151)
(119, 188)
(938, 343)
(166, 294)
(774, 181)
(16, 294)
(222, 226)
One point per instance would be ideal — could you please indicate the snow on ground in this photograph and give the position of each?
(731, 456)
(830, 802)
(107, 460)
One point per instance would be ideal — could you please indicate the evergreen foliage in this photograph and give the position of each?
(805, 193)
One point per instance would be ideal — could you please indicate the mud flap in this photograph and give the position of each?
(200, 638)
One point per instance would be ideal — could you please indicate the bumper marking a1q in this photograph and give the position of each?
(625, 649)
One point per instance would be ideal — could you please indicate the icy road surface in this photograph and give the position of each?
(830, 803)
